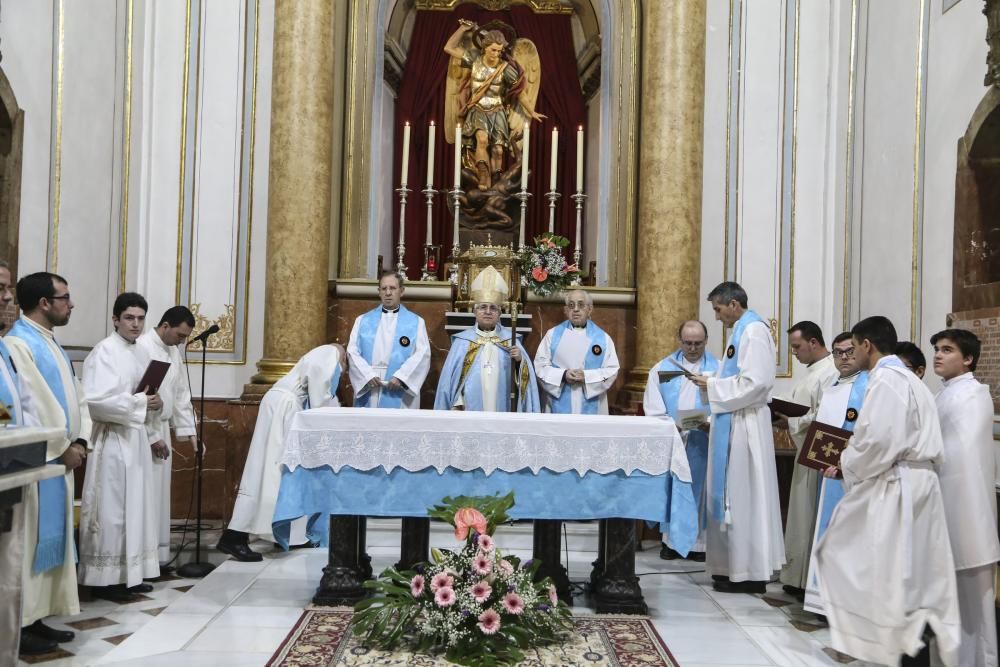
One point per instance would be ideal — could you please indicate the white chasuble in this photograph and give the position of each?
(575, 347)
(882, 561)
(118, 533)
(748, 546)
(804, 494)
(177, 412)
(53, 592)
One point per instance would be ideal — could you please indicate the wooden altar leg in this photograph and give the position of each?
(415, 542)
(617, 588)
(545, 548)
(348, 565)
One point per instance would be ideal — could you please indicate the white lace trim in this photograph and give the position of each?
(604, 445)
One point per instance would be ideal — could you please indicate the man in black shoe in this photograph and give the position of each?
(312, 383)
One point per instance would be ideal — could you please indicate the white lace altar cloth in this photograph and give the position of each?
(366, 438)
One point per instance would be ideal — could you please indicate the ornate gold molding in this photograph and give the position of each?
(225, 340)
(537, 6)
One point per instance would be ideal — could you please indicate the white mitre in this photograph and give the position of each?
(489, 287)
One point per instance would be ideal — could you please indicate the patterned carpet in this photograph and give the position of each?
(321, 638)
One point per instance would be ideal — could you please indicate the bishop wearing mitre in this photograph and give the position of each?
(477, 373)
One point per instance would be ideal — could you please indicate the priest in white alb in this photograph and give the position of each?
(806, 340)
(744, 545)
(968, 487)
(118, 532)
(389, 351)
(884, 565)
(49, 583)
(576, 362)
(163, 344)
(477, 373)
(312, 383)
(681, 400)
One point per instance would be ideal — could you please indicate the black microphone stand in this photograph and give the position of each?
(198, 569)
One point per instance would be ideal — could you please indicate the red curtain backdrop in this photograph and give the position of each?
(421, 100)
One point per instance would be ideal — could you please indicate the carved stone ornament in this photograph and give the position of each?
(537, 6)
(992, 12)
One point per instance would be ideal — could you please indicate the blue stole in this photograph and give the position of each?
(407, 324)
(455, 376)
(51, 548)
(563, 404)
(723, 421)
(833, 489)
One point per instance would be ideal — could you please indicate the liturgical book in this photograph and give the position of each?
(823, 446)
(153, 377)
(787, 408)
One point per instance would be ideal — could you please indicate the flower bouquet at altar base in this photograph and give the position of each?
(477, 606)
(543, 268)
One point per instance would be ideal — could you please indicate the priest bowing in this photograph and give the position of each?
(576, 362)
(477, 373)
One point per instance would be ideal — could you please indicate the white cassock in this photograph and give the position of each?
(750, 546)
(574, 348)
(804, 494)
(967, 486)
(177, 412)
(118, 532)
(411, 373)
(54, 592)
(884, 559)
(312, 380)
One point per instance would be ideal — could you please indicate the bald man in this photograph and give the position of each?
(576, 362)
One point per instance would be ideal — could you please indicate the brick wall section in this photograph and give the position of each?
(985, 323)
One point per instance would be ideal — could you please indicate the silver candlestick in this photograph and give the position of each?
(429, 193)
(579, 198)
(522, 196)
(456, 247)
(401, 248)
(552, 197)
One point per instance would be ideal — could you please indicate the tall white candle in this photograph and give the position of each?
(524, 157)
(552, 160)
(579, 159)
(406, 153)
(431, 135)
(458, 163)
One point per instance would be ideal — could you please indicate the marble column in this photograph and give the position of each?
(668, 257)
(299, 185)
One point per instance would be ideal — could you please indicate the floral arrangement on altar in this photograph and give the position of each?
(478, 606)
(543, 268)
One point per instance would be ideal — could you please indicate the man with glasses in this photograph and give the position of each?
(477, 373)
(806, 340)
(679, 395)
(389, 351)
(576, 362)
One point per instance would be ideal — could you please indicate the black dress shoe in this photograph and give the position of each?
(719, 577)
(239, 551)
(796, 592)
(753, 587)
(141, 588)
(666, 553)
(117, 593)
(696, 556)
(39, 629)
(308, 544)
(32, 644)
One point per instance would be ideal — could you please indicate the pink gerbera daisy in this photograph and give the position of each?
(417, 586)
(553, 595)
(480, 591)
(486, 543)
(445, 596)
(506, 567)
(482, 565)
(513, 603)
(440, 580)
(489, 622)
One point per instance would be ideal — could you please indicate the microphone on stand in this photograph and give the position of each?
(203, 336)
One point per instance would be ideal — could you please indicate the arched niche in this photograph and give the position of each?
(976, 283)
(11, 148)
(606, 38)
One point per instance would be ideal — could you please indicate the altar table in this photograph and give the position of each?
(357, 462)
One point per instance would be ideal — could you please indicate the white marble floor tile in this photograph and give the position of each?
(788, 647)
(212, 594)
(223, 639)
(164, 634)
(197, 659)
(257, 617)
(277, 593)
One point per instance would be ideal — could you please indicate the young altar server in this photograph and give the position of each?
(576, 362)
(806, 340)
(312, 383)
(118, 535)
(968, 487)
(840, 407)
(677, 394)
(477, 372)
(883, 560)
(162, 344)
(388, 345)
(744, 540)
(49, 584)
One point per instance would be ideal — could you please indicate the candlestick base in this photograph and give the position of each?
(456, 250)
